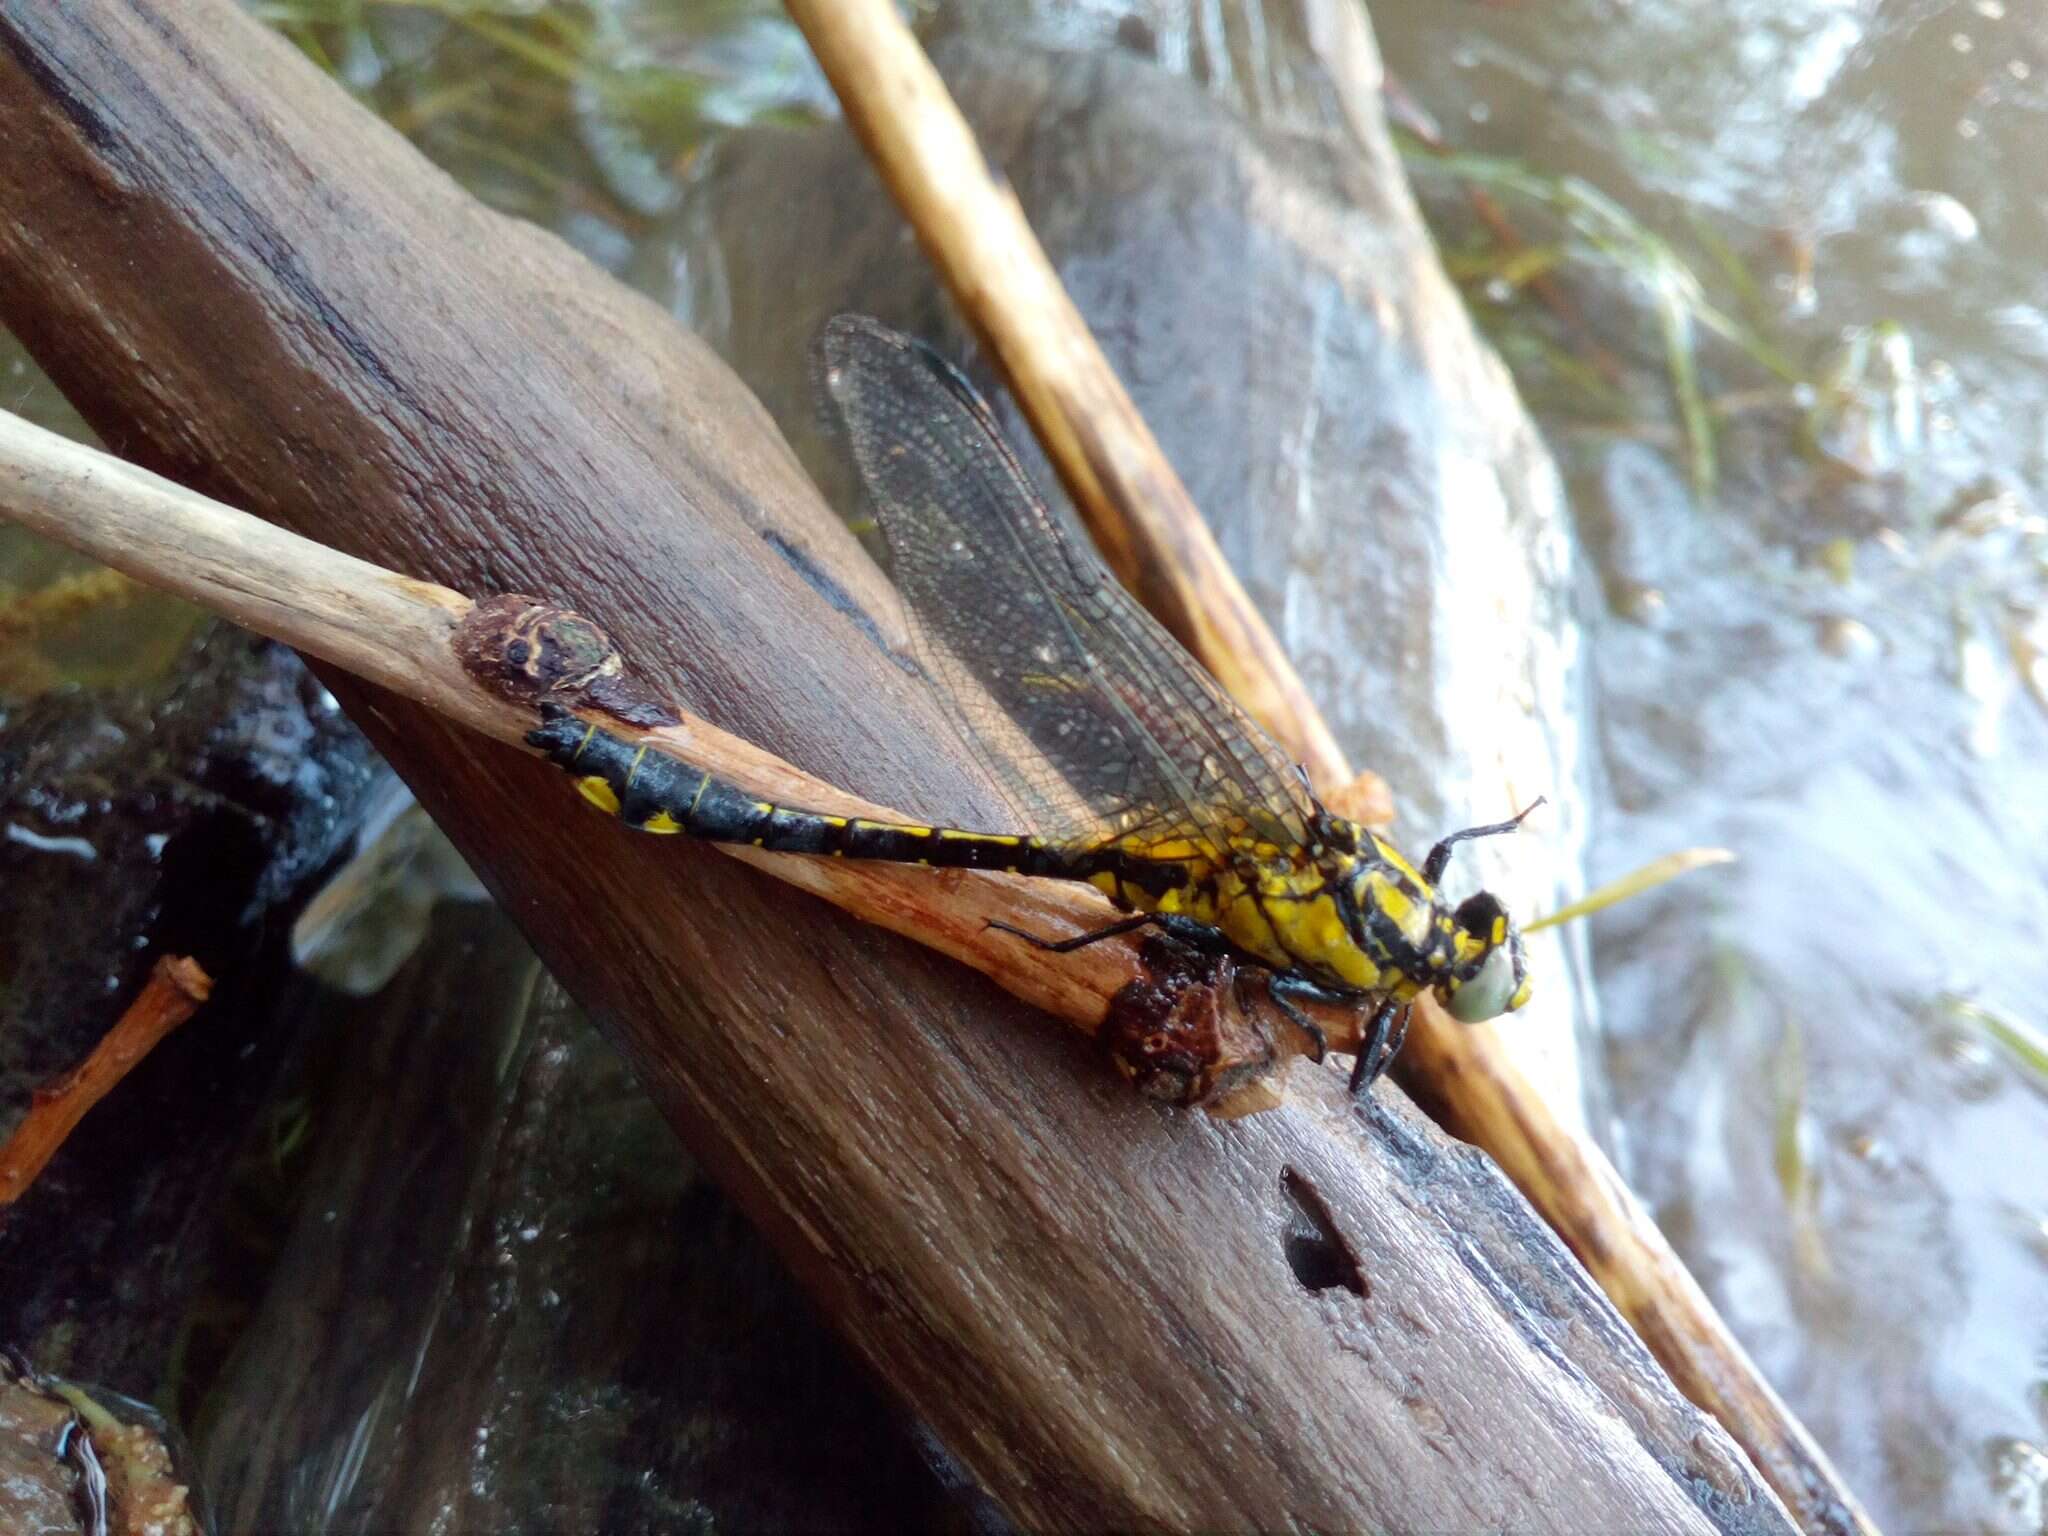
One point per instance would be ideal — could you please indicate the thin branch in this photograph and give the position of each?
(176, 988)
(393, 631)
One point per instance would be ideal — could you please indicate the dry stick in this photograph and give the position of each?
(176, 988)
(976, 235)
(403, 635)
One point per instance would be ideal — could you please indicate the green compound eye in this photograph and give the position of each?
(1486, 995)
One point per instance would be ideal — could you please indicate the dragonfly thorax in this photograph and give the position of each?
(1394, 916)
(1470, 955)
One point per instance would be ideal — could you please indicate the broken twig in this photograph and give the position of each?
(176, 988)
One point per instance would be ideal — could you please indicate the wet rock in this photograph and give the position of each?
(505, 1296)
(175, 817)
(38, 1490)
(79, 1461)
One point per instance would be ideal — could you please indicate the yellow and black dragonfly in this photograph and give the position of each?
(1127, 766)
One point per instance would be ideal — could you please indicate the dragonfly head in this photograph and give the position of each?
(1488, 975)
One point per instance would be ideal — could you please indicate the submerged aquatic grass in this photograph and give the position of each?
(2024, 1045)
(1646, 878)
(1792, 1153)
(555, 111)
(61, 631)
(1867, 388)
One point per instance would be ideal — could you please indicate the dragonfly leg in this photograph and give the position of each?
(1317, 1039)
(1079, 940)
(1400, 1033)
(1283, 989)
(1186, 929)
(1383, 1037)
(1301, 1021)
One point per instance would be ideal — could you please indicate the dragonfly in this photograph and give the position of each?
(1125, 764)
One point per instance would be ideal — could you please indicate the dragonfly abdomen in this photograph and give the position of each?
(656, 792)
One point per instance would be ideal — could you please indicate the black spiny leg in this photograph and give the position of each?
(1283, 989)
(1400, 1035)
(1374, 1052)
(1197, 935)
(1439, 858)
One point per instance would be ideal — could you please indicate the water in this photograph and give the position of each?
(1832, 667)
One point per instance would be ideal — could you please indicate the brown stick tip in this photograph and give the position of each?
(185, 974)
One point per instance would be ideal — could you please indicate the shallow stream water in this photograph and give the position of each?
(1824, 1061)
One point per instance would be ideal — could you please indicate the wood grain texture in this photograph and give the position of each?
(247, 285)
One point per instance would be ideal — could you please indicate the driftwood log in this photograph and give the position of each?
(1114, 1314)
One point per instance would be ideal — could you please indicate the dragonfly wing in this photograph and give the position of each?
(1094, 720)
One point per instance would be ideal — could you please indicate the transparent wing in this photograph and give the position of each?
(1092, 718)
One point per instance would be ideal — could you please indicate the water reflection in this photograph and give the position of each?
(1839, 678)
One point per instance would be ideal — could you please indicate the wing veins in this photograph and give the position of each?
(1201, 770)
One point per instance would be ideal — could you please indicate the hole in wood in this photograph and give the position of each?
(1318, 1252)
